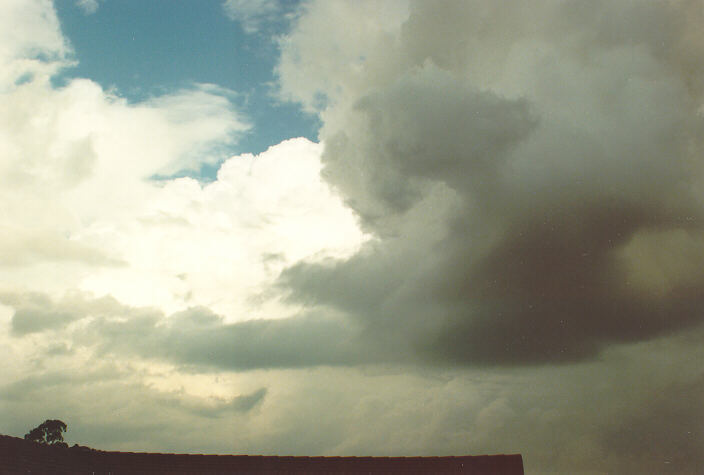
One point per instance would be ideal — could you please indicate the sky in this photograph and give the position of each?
(356, 228)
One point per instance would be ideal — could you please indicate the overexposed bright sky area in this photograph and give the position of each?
(330, 227)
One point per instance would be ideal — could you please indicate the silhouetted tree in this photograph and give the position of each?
(50, 432)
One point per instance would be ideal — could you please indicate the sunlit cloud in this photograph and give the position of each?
(494, 244)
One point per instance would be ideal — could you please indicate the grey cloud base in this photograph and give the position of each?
(534, 189)
(633, 411)
(195, 337)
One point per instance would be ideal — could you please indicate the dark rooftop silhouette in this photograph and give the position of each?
(21, 456)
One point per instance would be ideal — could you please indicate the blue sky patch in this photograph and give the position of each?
(144, 49)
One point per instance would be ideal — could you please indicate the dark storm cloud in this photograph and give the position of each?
(198, 337)
(247, 402)
(284, 343)
(31, 320)
(53, 382)
(428, 126)
(36, 312)
(665, 434)
(194, 337)
(221, 408)
(512, 175)
(555, 289)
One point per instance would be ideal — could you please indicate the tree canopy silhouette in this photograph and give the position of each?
(50, 432)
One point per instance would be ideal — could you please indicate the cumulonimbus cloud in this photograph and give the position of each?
(520, 164)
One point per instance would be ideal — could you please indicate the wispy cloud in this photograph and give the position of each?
(88, 6)
(255, 15)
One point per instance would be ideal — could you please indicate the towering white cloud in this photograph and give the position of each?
(99, 241)
(31, 43)
(81, 201)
